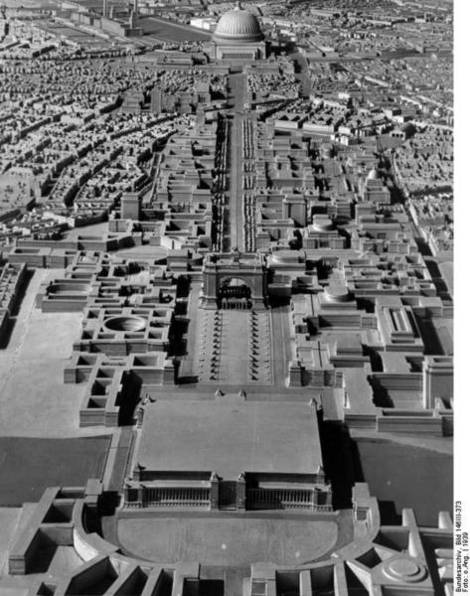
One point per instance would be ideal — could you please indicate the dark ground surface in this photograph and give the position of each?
(399, 475)
(407, 476)
(29, 466)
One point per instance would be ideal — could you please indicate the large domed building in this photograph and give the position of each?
(238, 36)
(238, 26)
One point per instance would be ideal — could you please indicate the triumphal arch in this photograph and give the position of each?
(234, 280)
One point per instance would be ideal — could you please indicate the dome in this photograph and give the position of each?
(238, 26)
(322, 223)
(373, 174)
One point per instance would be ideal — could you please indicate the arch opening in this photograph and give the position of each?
(234, 293)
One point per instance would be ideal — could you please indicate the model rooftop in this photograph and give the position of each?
(230, 438)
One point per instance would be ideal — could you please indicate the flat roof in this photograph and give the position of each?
(230, 437)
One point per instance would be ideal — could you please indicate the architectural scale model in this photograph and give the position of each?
(226, 298)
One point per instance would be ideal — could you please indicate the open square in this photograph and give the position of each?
(227, 541)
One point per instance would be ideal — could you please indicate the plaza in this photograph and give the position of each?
(227, 541)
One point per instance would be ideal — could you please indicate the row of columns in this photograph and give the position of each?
(315, 498)
(244, 498)
(144, 496)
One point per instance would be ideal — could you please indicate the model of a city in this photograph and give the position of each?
(226, 298)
